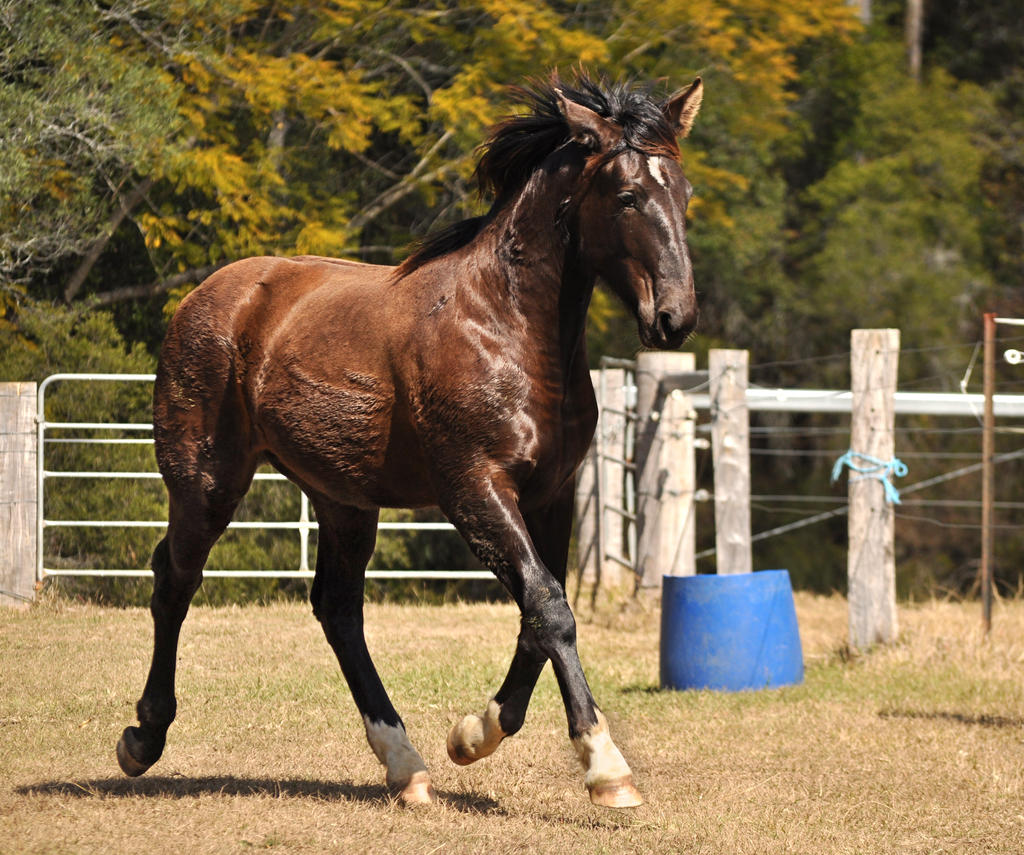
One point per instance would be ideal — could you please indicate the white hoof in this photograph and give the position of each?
(476, 737)
(417, 791)
(608, 776)
(616, 794)
(407, 775)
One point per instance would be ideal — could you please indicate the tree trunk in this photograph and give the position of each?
(128, 204)
(914, 29)
(864, 10)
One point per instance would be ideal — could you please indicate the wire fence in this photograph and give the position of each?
(938, 433)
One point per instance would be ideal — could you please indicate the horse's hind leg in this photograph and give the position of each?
(196, 519)
(344, 545)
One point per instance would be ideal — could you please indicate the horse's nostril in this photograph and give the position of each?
(666, 324)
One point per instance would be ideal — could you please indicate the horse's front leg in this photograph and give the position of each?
(502, 538)
(477, 736)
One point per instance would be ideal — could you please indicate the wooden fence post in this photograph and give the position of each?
(656, 375)
(586, 512)
(871, 567)
(599, 484)
(730, 445)
(17, 493)
(667, 544)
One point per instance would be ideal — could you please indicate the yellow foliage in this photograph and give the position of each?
(276, 103)
(318, 238)
(747, 50)
(753, 42)
(526, 39)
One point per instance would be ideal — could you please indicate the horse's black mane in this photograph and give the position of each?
(519, 144)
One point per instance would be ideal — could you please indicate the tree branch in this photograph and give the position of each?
(414, 179)
(136, 292)
(406, 66)
(96, 250)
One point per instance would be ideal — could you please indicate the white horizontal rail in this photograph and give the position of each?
(281, 524)
(77, 440)
(67, 473)
(279, 574)
(96, 425)
(839, 401)
(66, 376)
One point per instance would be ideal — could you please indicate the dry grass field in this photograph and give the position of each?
(915, 748)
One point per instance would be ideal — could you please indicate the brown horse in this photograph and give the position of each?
(458, 379)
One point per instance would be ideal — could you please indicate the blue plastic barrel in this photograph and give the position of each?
(730, 632)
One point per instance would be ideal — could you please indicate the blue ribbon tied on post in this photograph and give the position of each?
(872, 467)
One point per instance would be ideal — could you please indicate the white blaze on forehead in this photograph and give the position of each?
(654, 167)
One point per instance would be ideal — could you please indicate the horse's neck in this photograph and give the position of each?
(533, 260)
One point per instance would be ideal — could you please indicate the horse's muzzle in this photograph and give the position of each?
(670, 329)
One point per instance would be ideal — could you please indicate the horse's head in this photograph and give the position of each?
(630, 209)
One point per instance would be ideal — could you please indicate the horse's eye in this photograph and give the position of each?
(627, 198)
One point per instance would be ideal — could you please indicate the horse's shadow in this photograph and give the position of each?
(970, 720)
(182, 787)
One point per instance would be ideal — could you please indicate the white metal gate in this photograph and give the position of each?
(141, 433)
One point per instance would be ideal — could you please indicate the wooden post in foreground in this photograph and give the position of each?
(871, 567)
(17, 493)
(667, 544)
(730, 445)
(654, 373)
(586, 513)
(599, 484)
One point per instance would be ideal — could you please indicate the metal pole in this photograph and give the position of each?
(303, 532)
(987, 470)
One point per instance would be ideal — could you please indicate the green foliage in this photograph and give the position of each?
(892, 232)
(40, 339)
(80, 122)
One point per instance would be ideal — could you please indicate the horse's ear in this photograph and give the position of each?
(588, 129)
(682, 108)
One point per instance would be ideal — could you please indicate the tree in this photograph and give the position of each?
(82, 129)
(982, 43)
(891, 231)
(280, 130)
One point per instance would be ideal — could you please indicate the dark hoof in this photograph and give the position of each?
(129, 751)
